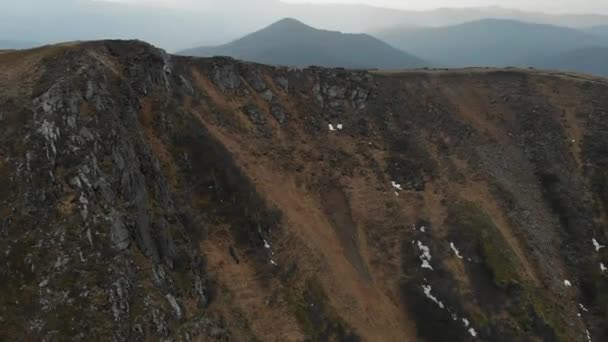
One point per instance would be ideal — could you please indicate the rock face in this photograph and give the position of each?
(151, 197)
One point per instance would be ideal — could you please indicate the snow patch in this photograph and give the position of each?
(567, 283)
(597, 245)
(455, 250)
(466, 322)
(473, 332)
(583, 307)
(588, 335)
(266, 244)
(603, 267)
(338, 126)
(425, 257)
(396, 185)
(273, 263)
(423, 229)
(427, 292)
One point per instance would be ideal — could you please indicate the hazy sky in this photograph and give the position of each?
(550, 6)
(554, 6)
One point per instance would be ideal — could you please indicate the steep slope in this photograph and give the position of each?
(489, 42)
(591, 60)
(291, 43)
(148, 196)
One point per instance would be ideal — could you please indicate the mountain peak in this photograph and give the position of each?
(291, 42)
(289, 23)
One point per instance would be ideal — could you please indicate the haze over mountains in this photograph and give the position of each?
(292, 43)
(490, 42)
(174, 27)
(600, 31)
(591, 60)
(16, 44)
(482, 43)
(445, 37)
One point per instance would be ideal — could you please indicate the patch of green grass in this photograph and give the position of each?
(310, 307)
(478, 228)
(532, 311)
(535, 311)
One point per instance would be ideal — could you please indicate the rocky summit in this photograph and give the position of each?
(148, 197)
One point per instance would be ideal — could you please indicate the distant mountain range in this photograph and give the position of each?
(176, 25)
(600, 31)
(290, 42)
(490, 42)
(17, 44)
(481, 43)
(591, 60)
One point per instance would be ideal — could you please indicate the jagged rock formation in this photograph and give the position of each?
(151, 197)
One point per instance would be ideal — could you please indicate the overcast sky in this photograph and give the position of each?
(554, 6)
(549, 6)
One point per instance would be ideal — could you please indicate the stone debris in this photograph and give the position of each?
(173, 302)
(267, 95)
(278, 113)
(120, 234)
(50, 132)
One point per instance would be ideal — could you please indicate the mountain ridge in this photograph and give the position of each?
(153, 196)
